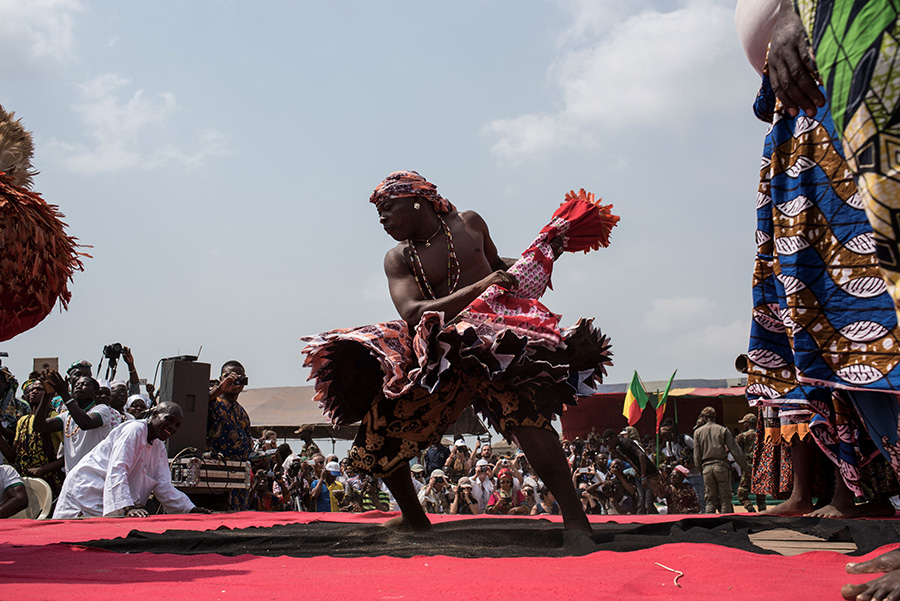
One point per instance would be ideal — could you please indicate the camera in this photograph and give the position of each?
(113, 351)
(242, 381)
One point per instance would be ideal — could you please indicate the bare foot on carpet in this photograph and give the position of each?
(884, 587)
(405, 524)
(842, 510)
(790, 507)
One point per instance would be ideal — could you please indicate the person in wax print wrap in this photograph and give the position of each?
(472, 332)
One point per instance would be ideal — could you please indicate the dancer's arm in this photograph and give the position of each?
(791, 65)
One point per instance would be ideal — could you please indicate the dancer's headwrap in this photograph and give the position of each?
(410, 183)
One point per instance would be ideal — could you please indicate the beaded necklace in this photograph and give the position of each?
(452, 266)
(69, 419)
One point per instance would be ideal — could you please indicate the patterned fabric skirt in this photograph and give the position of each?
(823, 321)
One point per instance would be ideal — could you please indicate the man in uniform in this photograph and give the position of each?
(712, 443)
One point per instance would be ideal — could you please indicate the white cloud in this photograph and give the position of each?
(44, 28)
(644, 69)
(679, 314)
(133, 129)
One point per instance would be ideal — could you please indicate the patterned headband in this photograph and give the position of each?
(410, 183)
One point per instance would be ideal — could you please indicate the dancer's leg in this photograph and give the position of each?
(800, 501)
(546, 456)
(412, 515)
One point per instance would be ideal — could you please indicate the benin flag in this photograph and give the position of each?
(635, 400)
(661, 402)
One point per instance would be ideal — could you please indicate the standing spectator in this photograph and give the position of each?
(746, 440)
(11, 408)
(485, 452)
(417, 473)
(463, 501)
(712, 444)
(435, 496)
(457, 464)
(36, 453)
(326, 490)
(482, 484)
(84, 423)
(310, 448)
(13, 497)
(506, 498)
(436, 456)
(298, 485)
(228, 426)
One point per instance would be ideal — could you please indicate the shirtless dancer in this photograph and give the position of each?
(443, 261)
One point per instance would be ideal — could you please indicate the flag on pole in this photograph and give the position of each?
(661, 402)
(635, 400)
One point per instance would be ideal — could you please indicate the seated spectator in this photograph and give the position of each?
(118, 475)
(680, 496)
(647, 476)
(137, 406)
(373, 496)
(618, 502)
(263, 496)
(506, 499)
(457, 464)
(528, 492)
(327, 491)
(435, 496)
(463, 501)
(13, 497)
(547, 505)
(36, 454)
(84, 423)
(482, 484)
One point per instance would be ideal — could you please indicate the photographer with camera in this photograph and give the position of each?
(457, 464)
(482, 483)
(463, 501)
(83, 422)
(435, 497)
(228, 433)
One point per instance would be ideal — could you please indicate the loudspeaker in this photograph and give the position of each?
(187, 384)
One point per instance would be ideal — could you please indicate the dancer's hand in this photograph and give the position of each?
(791, 65)
(501, 278)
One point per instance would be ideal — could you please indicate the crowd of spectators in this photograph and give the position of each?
(54, 421)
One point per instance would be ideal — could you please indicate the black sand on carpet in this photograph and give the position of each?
(492, 538)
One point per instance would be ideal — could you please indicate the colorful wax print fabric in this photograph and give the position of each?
(857, 48)
(822, 318)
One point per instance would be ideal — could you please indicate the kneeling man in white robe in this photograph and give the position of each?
(118, 475)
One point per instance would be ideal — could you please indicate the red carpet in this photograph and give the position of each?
(34, 565)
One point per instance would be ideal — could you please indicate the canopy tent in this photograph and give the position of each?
(604, 409)
(284, 409)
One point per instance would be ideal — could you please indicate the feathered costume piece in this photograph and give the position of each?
(37, 258)
(505, 337)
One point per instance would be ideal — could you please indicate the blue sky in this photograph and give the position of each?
(218, 156)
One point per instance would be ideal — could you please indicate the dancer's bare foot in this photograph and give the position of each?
(403, 523)
(793, 506)
(836, 511)
(884, 588)
(886, 562)
(579, 525)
